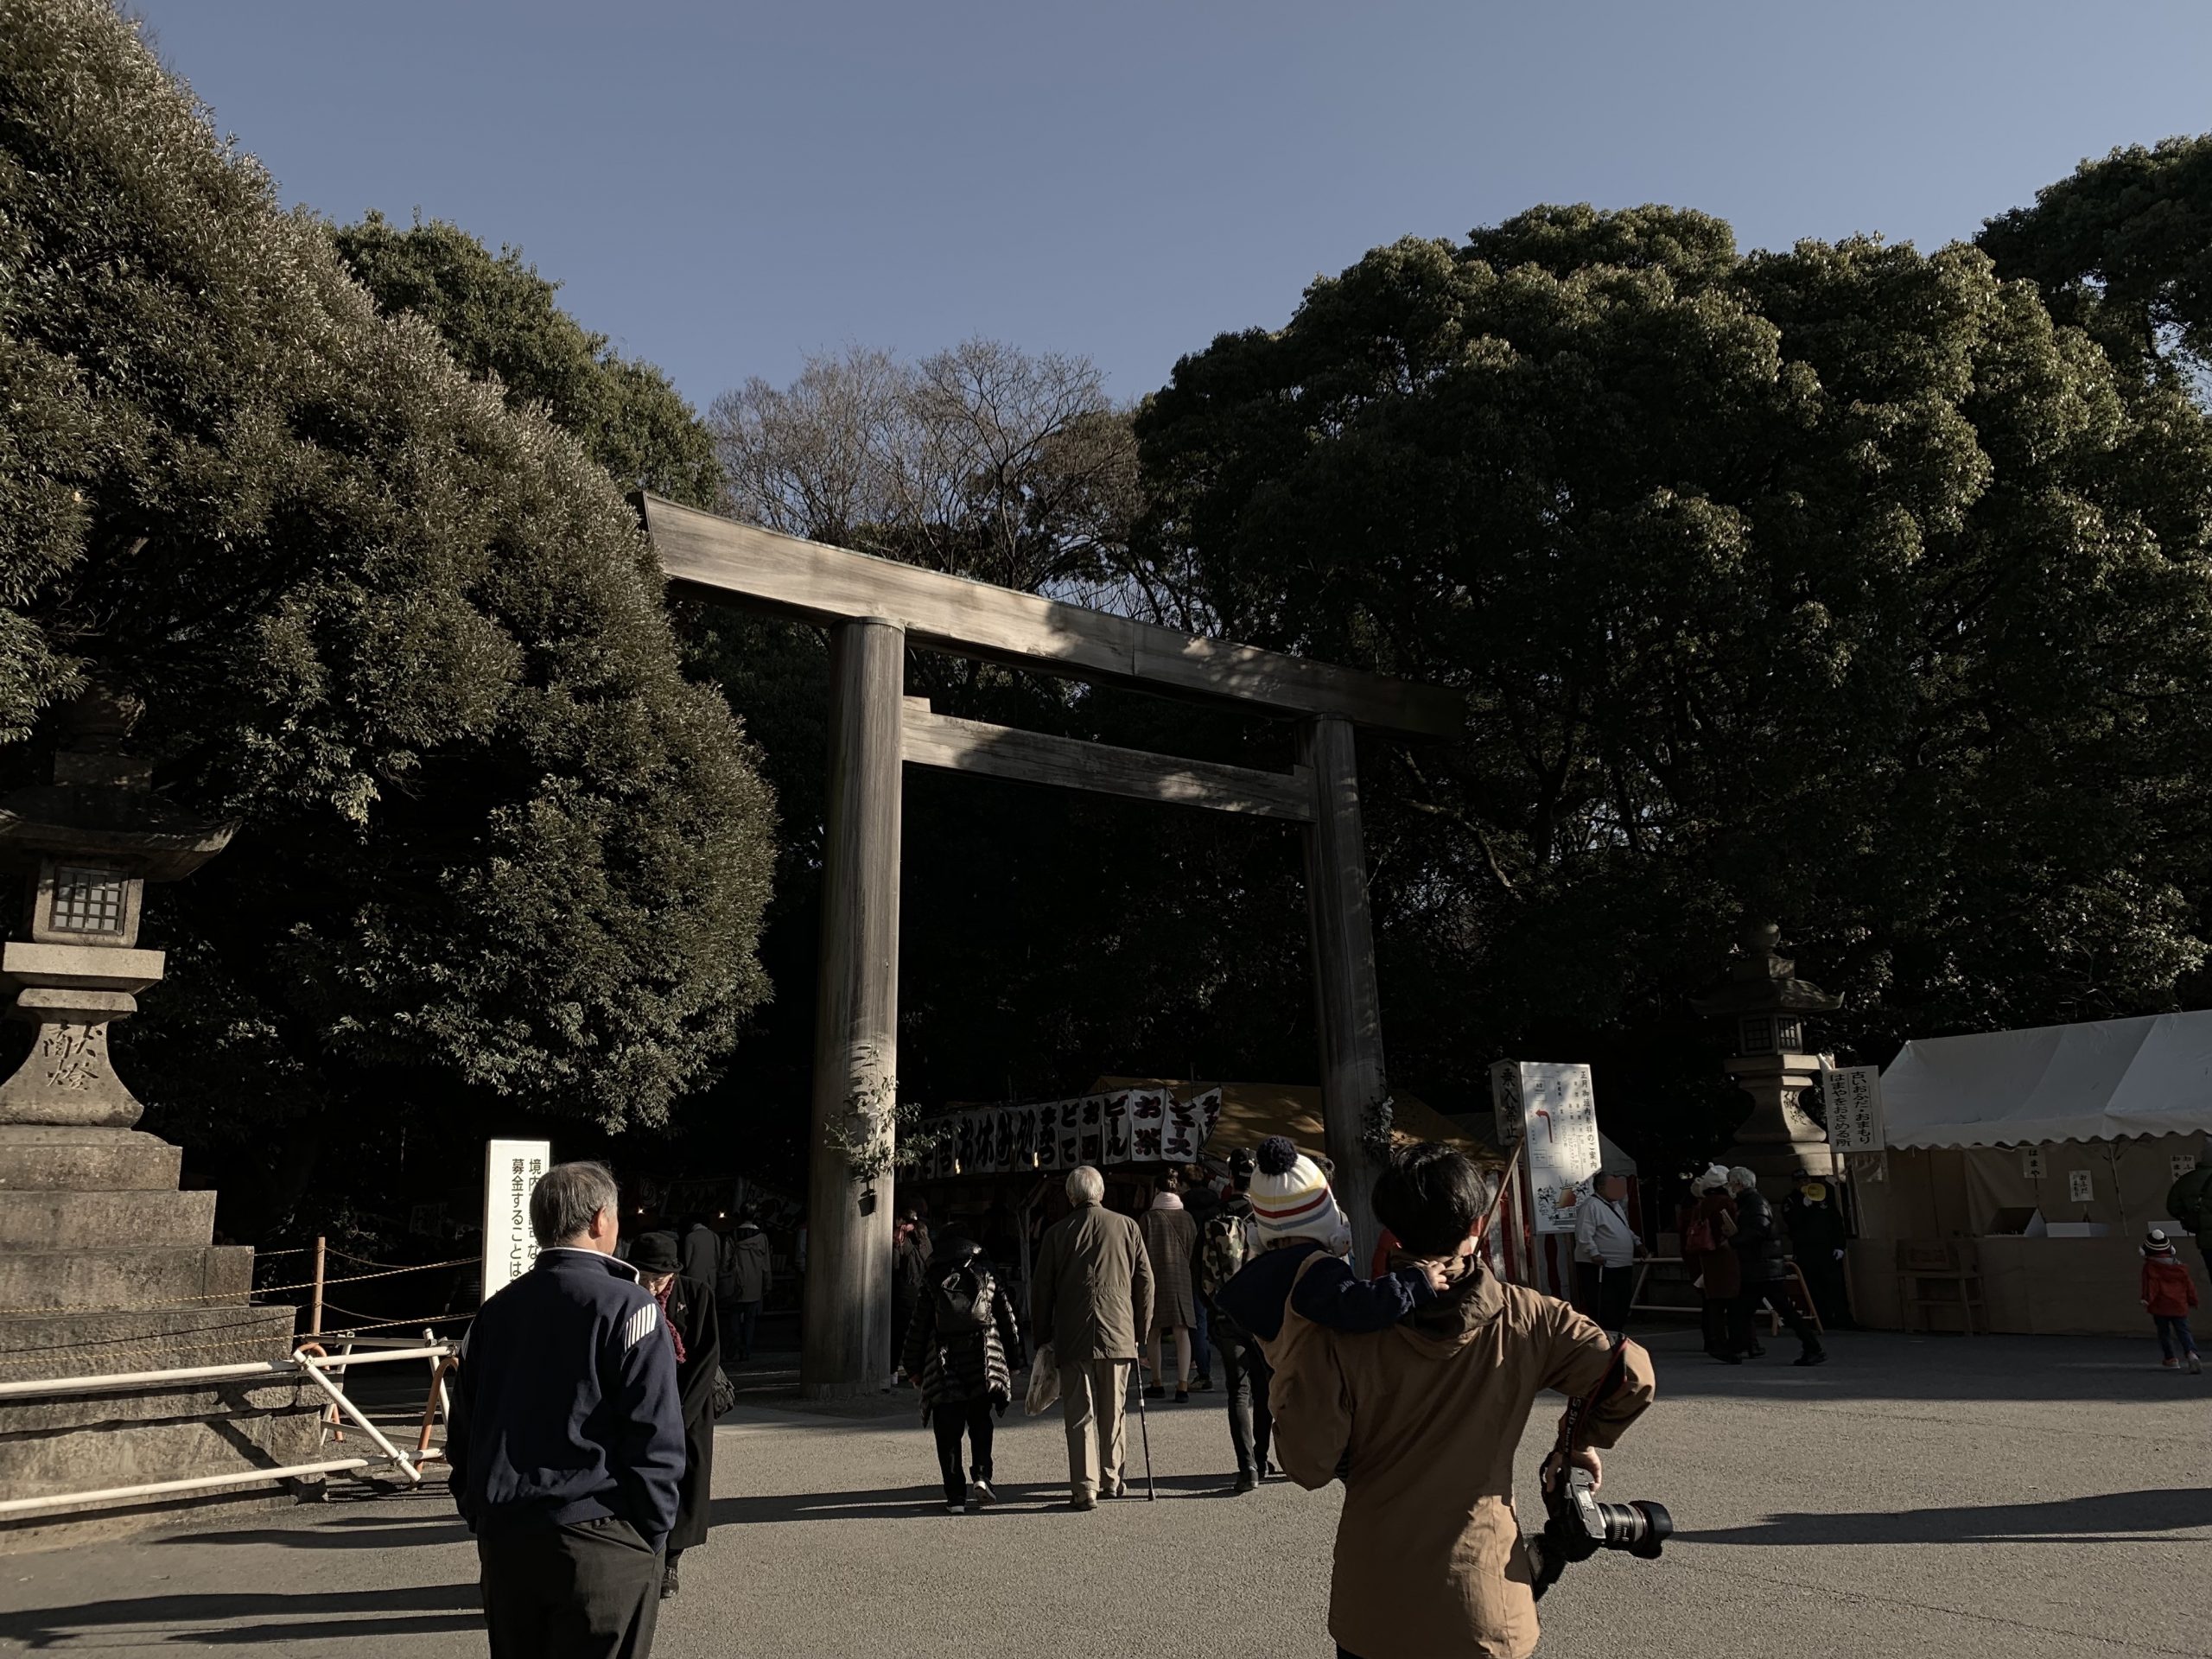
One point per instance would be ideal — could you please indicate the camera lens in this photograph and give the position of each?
(1639, 1528)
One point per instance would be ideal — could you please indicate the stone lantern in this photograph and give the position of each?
(1765, 1004)
(87, 844)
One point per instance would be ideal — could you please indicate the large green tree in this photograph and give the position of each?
(498, 857)
(1840, 584)
(499, 320)
(2122, 247)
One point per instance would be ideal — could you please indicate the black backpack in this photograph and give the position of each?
(963, 1300)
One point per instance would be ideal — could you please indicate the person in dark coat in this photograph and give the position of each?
(565, 1444)
(699, 1248)
(962, 1348)
(1818, 1238)
(693, 1330)
(1765, 1271)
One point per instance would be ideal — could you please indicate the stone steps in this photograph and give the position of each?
(36, 1158)
(94, 1277)
(92, 1344)
(38, 1220)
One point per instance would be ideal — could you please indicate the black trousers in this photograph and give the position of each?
(1245, 1374)
(1777, 1297)
(1604, 1293)
(589, 1591)
(974, 1418)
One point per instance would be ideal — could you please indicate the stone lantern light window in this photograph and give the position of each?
(89, 898)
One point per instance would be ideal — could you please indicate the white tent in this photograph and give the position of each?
(2105, 1080)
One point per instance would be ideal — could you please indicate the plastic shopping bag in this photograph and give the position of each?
(1044, 1381)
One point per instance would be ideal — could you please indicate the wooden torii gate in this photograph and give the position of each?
(874, 608)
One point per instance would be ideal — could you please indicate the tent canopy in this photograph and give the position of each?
(1251, 1112)
(2103, 1080)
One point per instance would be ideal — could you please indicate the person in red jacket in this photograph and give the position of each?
(2169, 1293)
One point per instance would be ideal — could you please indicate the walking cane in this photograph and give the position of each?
(1144, 1427)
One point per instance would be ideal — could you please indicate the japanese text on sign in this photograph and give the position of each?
(512, 1171)
(1854, 1097)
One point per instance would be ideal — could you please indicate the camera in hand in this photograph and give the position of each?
(1577, 1526)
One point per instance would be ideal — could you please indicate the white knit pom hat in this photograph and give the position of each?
(1291, 1197)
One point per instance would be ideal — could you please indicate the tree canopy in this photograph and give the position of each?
(499, 318)
(2122, 247)
(1841, 584)
(498, 855)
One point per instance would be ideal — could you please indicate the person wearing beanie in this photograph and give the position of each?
(1299, 1281)
(2168, 1295)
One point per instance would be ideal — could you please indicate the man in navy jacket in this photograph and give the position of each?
(567, 1438)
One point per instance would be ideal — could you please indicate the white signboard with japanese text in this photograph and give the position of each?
(1852, 1095)
(511, 1169)
(1554, 1107)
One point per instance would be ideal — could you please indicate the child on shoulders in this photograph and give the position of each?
(1300, 1280)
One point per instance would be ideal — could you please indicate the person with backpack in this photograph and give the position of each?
(961, 1351)
(1227, 1241)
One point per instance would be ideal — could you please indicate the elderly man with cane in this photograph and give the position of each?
(1090, 1296)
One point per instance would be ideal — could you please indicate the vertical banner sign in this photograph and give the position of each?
(1147, 1116)
(1209, 1107)
(1553, 1107)
(1852, 1095)
(511, 1169)
(1559, 1116)
(1179, 1137)
(1119, 1129)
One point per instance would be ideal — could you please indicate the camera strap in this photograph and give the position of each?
(1571, 1420)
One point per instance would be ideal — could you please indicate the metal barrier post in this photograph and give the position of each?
(314, 1320)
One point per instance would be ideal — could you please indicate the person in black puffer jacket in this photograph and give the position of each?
(961, 1351)
(1766, 1271)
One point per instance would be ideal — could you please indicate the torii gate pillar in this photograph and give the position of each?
(849, 1336)
(1348, 1005)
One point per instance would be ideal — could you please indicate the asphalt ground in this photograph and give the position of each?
(2006, 1497)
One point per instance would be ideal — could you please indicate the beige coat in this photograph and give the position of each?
(1091, 1288)
(1429, 1563)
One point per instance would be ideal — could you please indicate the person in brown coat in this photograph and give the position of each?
(1090, 1296)
(1709, 1225)
(1170, 1235)
(1422, 1420)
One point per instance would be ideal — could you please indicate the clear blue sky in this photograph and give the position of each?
(723, 187)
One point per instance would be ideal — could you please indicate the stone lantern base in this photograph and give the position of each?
(104, 1268)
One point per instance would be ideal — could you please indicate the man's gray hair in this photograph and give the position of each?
(1086, 1185)
(566, 1199)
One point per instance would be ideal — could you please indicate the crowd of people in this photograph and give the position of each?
(581, 1435)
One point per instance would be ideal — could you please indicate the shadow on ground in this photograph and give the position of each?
(892, 1502)
(2068, 1520)
(227, 1618)
(1891, 1365)
(338, 1532)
